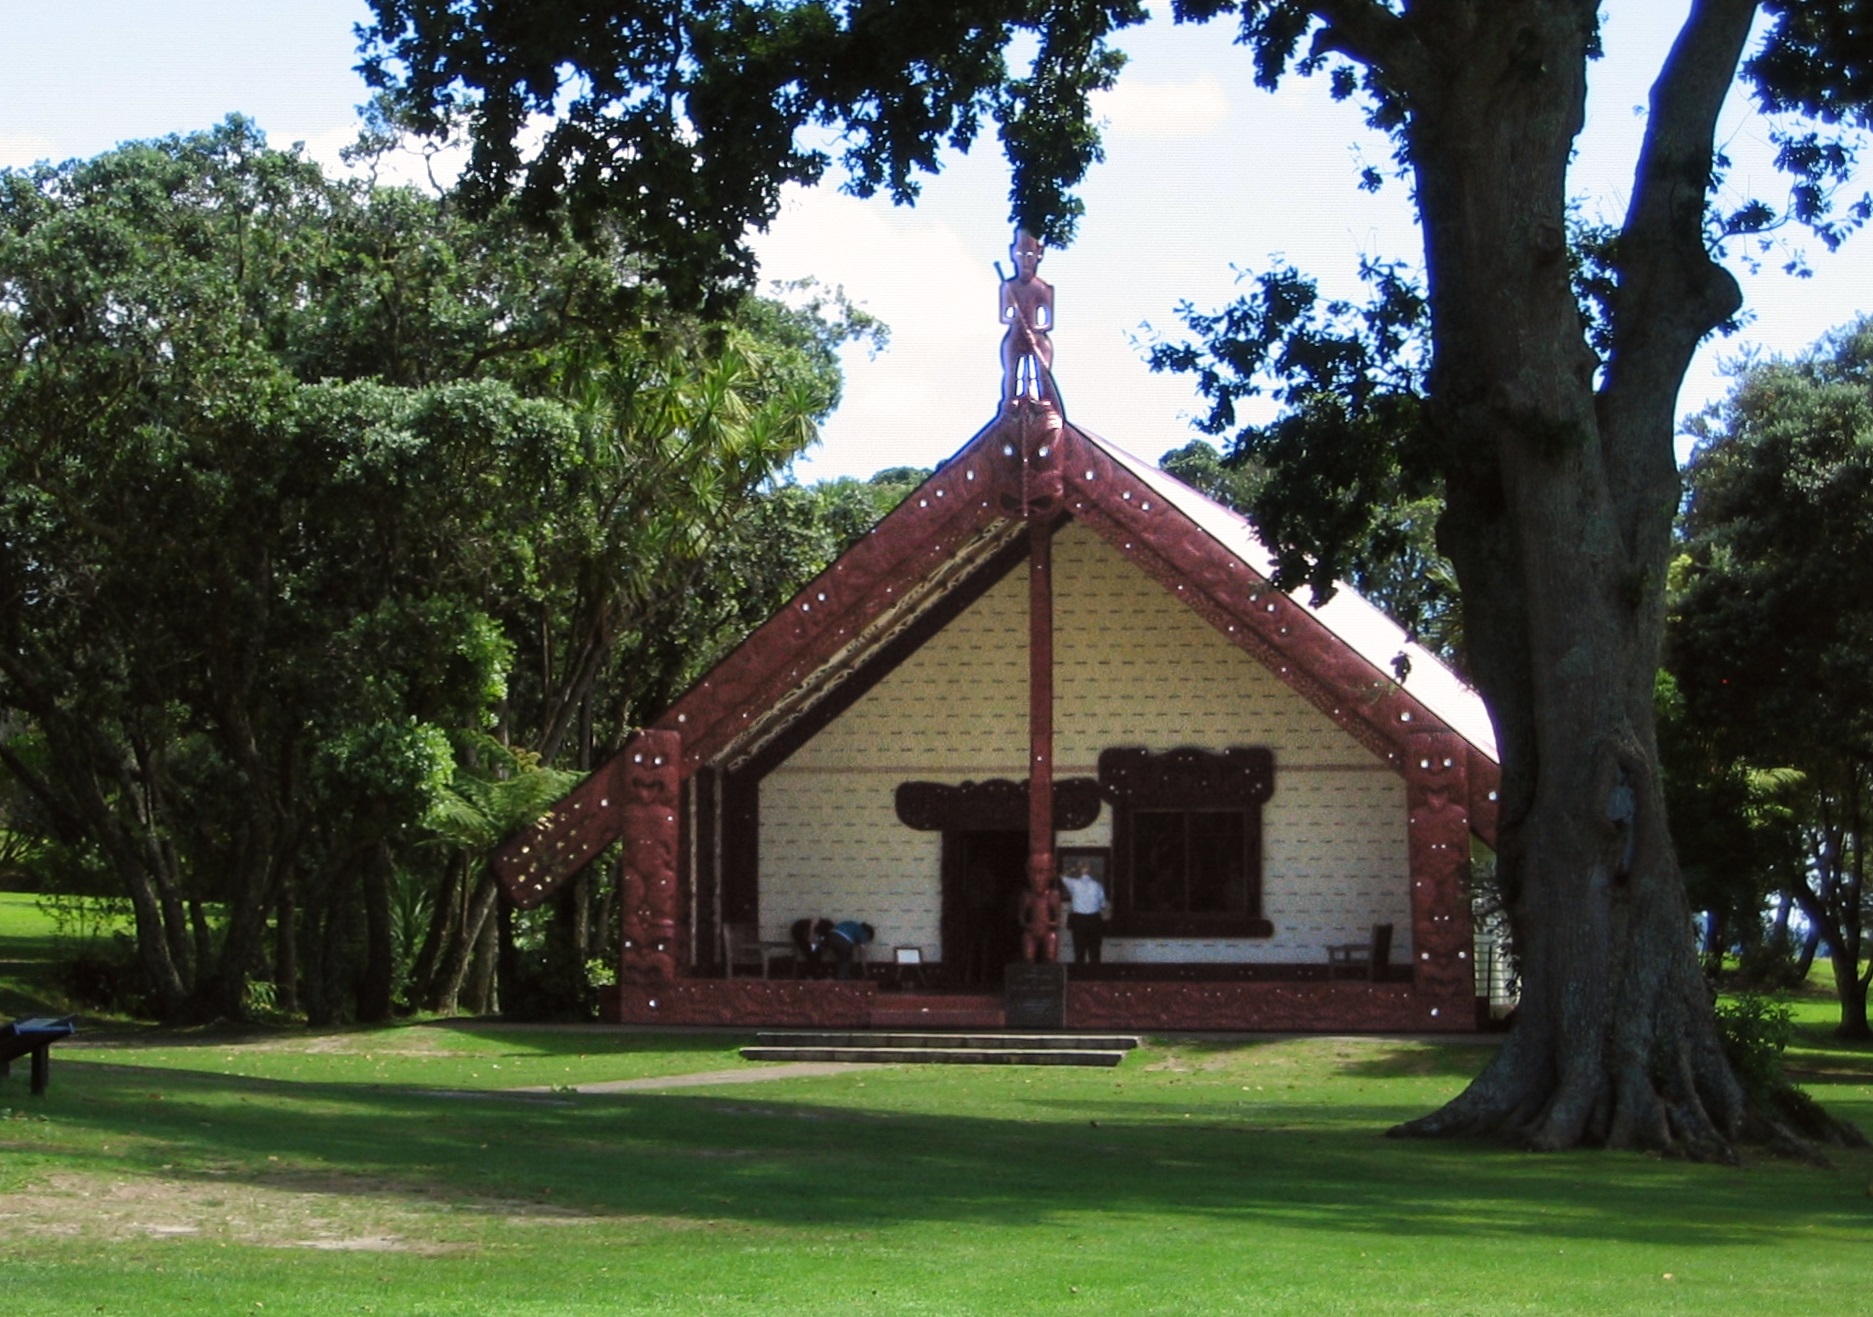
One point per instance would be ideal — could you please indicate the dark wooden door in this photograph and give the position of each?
(983, 876)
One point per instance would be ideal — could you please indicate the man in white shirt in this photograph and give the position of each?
(1086, 918)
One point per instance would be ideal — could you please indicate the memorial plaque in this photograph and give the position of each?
(1034, 996)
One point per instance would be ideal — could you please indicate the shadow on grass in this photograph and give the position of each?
(781, 1162)
(501, 1039)
(587, 1039)
(1418, 1062)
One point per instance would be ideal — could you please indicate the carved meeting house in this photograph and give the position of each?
(1050, 651)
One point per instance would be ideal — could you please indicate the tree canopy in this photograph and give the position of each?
(1772, 633)
(304, 483)
(684, 121)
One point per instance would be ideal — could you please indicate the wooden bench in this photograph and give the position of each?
(35, 1036)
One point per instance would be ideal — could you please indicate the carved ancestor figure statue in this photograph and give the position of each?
(1028, 311)
(1040, 914)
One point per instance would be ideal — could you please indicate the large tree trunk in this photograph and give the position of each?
(1851, 988)
(444, 916)
(1560, 504)
(378, 984)
(478, 911)
(286, 946)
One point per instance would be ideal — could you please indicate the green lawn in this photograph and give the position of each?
(384, 1171)
(390, 1171)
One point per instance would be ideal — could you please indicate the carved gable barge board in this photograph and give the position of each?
(796, 691)
(1485, 778)
(1241, 603)
(956, 505)
(775, 741)
(566, 838)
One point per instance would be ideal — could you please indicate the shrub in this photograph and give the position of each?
(1756, 1030)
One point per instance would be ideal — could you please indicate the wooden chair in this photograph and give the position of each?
(1370, 957)
(742, 945)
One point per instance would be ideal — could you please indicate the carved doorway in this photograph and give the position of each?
(984, 872)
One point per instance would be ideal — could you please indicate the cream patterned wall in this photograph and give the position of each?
(1133, 666)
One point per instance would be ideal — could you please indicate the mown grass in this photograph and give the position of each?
(331, 1173)
(391, 1171)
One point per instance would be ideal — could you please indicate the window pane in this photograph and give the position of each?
(1158, 863)
(1216, 879)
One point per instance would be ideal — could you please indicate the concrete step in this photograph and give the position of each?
(940, 1055)
(974, 1040)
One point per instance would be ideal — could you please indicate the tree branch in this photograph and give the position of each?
(1368, 32)
(1671, 293)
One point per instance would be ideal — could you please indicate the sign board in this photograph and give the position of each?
(1034, 996)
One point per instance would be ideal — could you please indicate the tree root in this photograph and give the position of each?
(1678, 1108)
(1790, 1124)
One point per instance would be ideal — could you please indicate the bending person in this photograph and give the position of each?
(842, 942)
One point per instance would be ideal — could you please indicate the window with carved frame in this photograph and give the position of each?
(1187, 840)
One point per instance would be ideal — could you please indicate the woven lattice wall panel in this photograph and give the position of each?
(961, 699)
(831, 845)
(1134, 666)
(1337, 860)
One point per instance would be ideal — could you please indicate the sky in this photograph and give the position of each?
(1205, 176)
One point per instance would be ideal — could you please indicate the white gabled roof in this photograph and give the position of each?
(1363, 627)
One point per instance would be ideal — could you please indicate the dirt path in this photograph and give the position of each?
(743, 1075)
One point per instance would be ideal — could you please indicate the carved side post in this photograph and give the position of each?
(650, 899)
(1438, 797)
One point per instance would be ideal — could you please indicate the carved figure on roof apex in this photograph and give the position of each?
(1027, 308)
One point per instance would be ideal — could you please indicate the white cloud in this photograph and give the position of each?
(937, 382)
(1164, 110)
(20, 150)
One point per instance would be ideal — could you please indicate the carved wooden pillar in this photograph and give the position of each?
(1040, 939)
(650, 898)
(1041, 439)
(1437, 796)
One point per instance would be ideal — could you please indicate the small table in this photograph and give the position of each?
(35, 1036)
(906, 964)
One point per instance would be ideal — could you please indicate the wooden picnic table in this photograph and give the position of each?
(36, 1036)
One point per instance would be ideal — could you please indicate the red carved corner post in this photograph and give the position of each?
(1438, 800)
(650, 898)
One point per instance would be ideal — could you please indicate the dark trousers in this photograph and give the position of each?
(840, 950)
(1088, 933)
